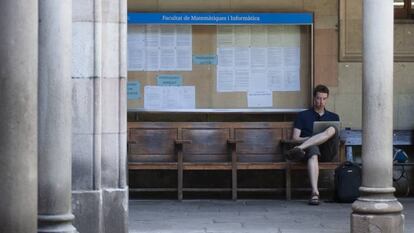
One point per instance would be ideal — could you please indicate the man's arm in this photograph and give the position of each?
(296, 136)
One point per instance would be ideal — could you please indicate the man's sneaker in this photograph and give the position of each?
(295, 154)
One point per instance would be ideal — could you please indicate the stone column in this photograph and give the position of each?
(18, 115)
(55, 116)
(377, 210)
(100, 192)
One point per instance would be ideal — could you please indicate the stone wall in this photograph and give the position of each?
(337, 44)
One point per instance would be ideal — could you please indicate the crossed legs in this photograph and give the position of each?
(319, 138)
(313, 159)
(313, 163)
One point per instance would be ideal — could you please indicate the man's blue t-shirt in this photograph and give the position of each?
(305, 119)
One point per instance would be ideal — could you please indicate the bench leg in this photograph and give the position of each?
(234, 174)
(234, 184)
(288, 182)
(180, 176)
(234, 187)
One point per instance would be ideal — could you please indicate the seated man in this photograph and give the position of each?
(310, 146)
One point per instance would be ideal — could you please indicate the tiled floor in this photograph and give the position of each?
(245, 216)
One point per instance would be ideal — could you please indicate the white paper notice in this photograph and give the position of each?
(169, 97)
(152, 59)
(270, 62)
(225, 57)
(225, 36)
(258, 58)
(241, 79)
(167, 59)
(274, 58)
(152, 36)
(187, 97)
(160, 47)
(260, 99)
(184, 36)
(153, 97)
(259, 36)
(136, 34)
(276, 79)
(184, 59)
(275, 35)
(292, 82)
(136, 58)
(284, 68)
(241, 57)
(291, 68)
(242, 36)
(291, 56)
(258, 80)
(167, 36)
(136, 47)
(225, 80)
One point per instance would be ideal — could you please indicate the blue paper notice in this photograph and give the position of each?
(134, 90)
(169, 80)
(205, 59)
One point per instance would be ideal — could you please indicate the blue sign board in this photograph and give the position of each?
(169, 80)
(205, 59)
(305, 18)
(134, 90)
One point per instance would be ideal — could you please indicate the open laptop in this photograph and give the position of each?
(319, 126)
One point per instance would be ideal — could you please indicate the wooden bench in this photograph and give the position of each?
(228, 146)
(352, 138)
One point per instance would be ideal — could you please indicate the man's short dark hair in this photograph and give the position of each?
(321, 89)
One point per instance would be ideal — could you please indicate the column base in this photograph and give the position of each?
(104, 210)
(377, 210)
(56, 224)
(370, 223)
(115, 210)
(87, 207)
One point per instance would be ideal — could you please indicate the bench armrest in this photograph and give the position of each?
(129, 143)
(181, 142)
(234, 141)
(290, 142)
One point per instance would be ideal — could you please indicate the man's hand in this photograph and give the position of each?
(296, 136)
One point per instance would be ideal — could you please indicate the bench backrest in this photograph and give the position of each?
(152, 144)
(256, 141)
(354, 137)
(207, 144)
(259, 144)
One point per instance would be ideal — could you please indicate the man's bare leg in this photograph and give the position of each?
(319, 138)
(313, 170)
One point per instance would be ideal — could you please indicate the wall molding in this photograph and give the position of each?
(350, 34)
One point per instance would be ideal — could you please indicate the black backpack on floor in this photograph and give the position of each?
(347, 182)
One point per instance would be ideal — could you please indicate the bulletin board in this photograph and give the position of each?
(278, 36)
